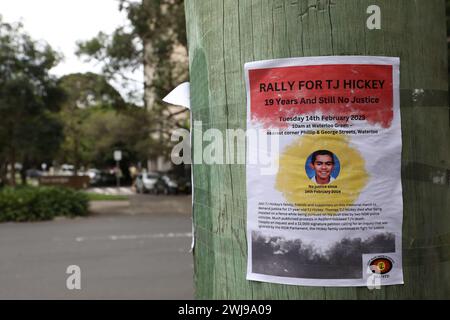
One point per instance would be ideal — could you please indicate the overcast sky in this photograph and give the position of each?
(62, 22)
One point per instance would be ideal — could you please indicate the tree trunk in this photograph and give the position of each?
(223, 35)
(11, 153)
(150, 96)
(12, 161)
(76, 154)
(23, 172)
(3, 172)
(149, 75)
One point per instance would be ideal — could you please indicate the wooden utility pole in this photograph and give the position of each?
(225, 34)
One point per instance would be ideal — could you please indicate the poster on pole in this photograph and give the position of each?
(329, 211)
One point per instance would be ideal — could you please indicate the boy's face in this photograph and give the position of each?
(323, 166)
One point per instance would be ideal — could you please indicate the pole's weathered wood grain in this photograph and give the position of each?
(223, 35)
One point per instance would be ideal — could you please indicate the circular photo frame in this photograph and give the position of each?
(322, 167)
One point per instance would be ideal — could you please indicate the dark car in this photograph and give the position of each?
(172, 184)
(146, 182)
(34, 173)
(95, 176)
(166, 185)
(103, 179)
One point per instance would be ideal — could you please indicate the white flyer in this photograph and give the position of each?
(329, 210)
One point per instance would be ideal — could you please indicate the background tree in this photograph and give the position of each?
(98, 121)
(106, 130)
(83, 93)
(156, 41)
(38, 141)
(28, 94)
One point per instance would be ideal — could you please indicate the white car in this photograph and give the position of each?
(145, 182)
(94, 175)
(67, 170)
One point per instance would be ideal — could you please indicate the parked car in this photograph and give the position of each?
(34, 173)
(173, 184)
(94, 176)
(145, 182)
(101, 178)
(166, 185)
(67, 170)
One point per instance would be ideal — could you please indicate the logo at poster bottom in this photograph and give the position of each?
(381, 264)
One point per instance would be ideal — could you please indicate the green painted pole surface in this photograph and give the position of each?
(223, 35)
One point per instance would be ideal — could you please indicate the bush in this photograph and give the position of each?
(42, 203)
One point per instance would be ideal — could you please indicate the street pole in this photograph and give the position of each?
(223, 35)
(117, 174)
(117, 156)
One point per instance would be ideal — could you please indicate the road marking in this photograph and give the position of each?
(137, 236)
(112, 191)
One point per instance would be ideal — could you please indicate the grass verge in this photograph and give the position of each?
(105, 197)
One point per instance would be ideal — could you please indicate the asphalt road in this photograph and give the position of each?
(126, 250)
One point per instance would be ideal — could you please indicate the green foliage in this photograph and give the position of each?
(43, 203)
(84, 92)
(93, 133)
(28, 96)
(155, 40)
(107, 130)
(106, 197)
(39, 138)
(26, 87)
(157, 30)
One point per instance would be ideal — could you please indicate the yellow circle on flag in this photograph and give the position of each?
(309, 197)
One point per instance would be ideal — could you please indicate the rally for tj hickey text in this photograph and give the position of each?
(278, 86)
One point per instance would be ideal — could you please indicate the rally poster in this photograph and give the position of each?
(331, 212)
